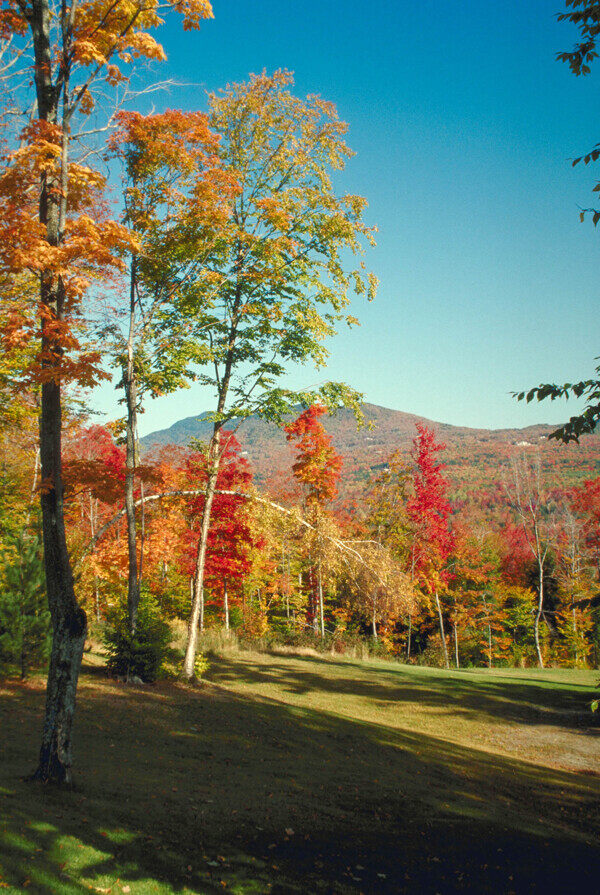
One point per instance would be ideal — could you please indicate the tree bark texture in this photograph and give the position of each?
(69, 621)
(321, 607)
(129, 381)
(443, 635)
(538, 615)
(197, 599)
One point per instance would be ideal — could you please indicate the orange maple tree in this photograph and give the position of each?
(51, 223)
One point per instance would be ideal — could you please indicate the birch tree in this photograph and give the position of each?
(279, 281)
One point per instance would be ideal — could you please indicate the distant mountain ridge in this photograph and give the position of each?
(383, 427)
(472, 455)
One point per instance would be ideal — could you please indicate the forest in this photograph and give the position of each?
(179, 248)
(368, 670)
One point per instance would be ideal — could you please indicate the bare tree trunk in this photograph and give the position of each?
(374, 623)
(36, 469)
(456, 644)
(489, 628)
(441, 619)
(130, 384)
(538, 615)
(321, 608)
(198, 596)
(528, 501)
(93, 512)
(226, 605)
(142, 537)
(313, 600)
(408, 639)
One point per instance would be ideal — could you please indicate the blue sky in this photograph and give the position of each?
(463, 123)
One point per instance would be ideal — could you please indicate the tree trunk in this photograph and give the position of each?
(226, 606)
(538, 615)
(456, 644)
(93, 512)
(65, 662)
(489, 628)
(441, 619)
(142, 536)
(130, 384)
(68, 619)
(321, 608)
(311, 616)
(34, 484)
(198, 596)
(408, 639)
(374, 623)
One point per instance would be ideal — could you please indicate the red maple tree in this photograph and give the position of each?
(229, 537)
(429, 511)
(429, 508)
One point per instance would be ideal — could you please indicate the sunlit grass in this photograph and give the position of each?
(300, 774)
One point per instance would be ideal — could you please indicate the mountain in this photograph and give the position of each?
(474, 457)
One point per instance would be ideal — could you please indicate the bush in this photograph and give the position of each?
(143, 653)
(201, 665)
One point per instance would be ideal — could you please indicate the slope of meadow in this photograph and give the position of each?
(291, 774)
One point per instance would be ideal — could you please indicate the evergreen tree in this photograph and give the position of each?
(25, 632)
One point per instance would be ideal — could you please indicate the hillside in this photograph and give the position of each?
(474, 457)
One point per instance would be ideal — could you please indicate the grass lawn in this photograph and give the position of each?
(292, 774)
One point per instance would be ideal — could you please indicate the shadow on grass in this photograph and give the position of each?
(204, 791)
(495, 699)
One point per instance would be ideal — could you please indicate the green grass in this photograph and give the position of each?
(301, 774)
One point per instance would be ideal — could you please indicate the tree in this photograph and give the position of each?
(229, 537)
(468, 587)
(94, 477)
(576, 585)
(44, 197)
(278, 282)
(379, 587)
(532, 506)
(318, 469)
(585, 14)
(317, 464)
(429, 511)
(173, 195)
(24, 618)
(388, 520)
